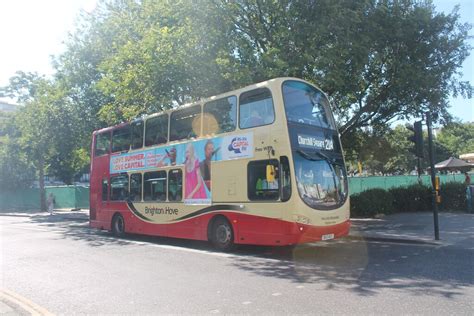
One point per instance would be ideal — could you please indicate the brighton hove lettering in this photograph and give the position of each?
(155, 210)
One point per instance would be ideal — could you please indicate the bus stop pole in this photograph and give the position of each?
(433, 176)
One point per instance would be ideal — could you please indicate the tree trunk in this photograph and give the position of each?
(41, 185)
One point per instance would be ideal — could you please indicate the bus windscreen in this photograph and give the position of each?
(307, 105)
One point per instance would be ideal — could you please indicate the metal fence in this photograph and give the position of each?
(67, 197)
(360, 184)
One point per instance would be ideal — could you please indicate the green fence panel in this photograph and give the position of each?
(360, 184)
(25, 199)
(82, 197)
(66, 197)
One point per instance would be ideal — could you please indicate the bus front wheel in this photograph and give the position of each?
(118, 225)
(222, 235)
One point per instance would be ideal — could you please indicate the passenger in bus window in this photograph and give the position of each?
(194, 188)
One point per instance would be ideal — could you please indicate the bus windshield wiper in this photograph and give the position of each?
(322, 156)
(306, 155)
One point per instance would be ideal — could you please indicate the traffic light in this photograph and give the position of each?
(417, 139)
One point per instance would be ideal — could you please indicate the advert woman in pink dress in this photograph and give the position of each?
(194, 188)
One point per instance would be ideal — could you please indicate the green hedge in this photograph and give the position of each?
(414, 198)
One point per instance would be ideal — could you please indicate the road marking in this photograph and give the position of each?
(24, 303)
(246, 303)
(207, 252)
(276, 294)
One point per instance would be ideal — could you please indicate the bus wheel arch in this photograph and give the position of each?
(118, 225)
(221, 233)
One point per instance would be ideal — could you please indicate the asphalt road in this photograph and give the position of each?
(67, 268)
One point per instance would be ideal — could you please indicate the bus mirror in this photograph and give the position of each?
(270, 173)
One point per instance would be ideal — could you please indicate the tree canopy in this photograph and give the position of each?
(377, 60)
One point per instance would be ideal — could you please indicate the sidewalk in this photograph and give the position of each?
(58, 214)
(454, 228)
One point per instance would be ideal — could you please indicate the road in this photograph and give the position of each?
(66, 268)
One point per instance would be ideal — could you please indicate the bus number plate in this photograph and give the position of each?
(328, 237)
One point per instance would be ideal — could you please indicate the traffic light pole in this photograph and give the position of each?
(433, 176)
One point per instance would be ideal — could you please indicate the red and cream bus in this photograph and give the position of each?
(261, 165)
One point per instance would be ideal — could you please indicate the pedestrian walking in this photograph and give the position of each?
(50, 202)
(467, 179)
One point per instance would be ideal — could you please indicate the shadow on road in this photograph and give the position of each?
(366, 268)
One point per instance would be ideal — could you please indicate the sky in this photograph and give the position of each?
(31, 31)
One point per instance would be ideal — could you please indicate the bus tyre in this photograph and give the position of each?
(118, 225)
(222, 235)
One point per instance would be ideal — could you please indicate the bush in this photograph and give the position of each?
(414, 198)
(453, 197)
(371, 202)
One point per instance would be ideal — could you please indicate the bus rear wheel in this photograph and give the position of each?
(118, 225)
(222, 235)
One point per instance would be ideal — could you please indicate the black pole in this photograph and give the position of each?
(433, 176)
(419, 169)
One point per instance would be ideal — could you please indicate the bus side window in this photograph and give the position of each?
(155, 186)
(121, 139)
(185, 123)
(137, 134)
(256, 108)
(102, 144)
(119, 187)
(175, 185)
(220, 116)
(258, 186)
(156, 130)
(285, 179)
(105, 189)
(136, 187)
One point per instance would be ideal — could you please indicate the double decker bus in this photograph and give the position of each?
(260, 165)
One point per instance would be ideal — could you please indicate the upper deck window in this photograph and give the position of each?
(121, 139)
(220, 116)
(102, 144)
(305, 104)
(185, 123)
(156, 130)
(256, 108)
(137, 134)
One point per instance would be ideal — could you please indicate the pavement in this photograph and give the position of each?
(66, 214)
(455, 229)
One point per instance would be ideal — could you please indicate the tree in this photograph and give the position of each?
(15, 170)
(457, 138)
(377, 60)
(46, 128)
(384, 151)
